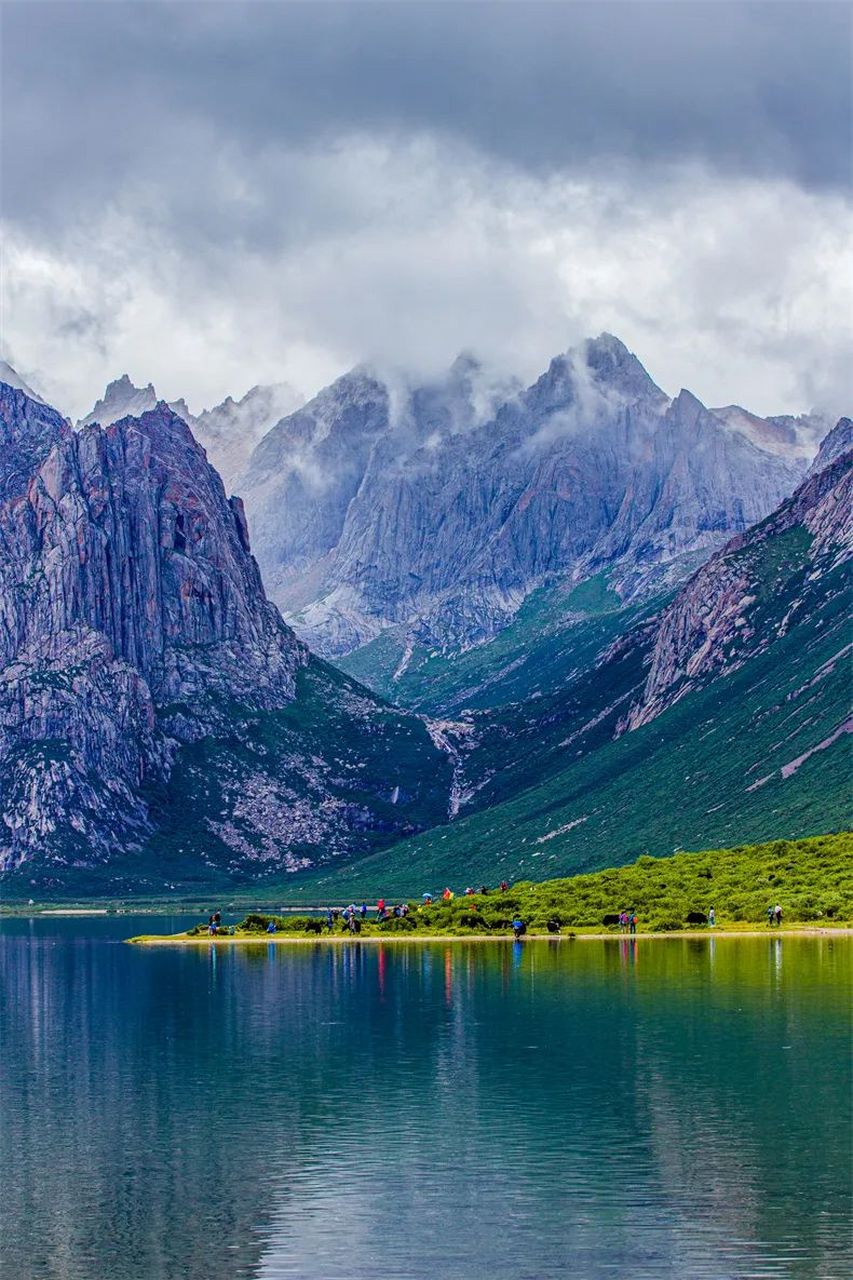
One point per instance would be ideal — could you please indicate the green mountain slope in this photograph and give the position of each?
(557, 633)
(740, 701)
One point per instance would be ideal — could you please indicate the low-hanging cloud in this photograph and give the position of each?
(208, 196)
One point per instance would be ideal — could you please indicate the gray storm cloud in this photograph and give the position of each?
(212, 195)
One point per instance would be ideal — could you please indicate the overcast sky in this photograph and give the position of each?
(212, 195)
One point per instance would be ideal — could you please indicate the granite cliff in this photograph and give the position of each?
(138, 652)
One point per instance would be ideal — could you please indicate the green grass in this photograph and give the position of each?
(812, 880)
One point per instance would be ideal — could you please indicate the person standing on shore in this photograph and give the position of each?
(712, 918)
(632, 924)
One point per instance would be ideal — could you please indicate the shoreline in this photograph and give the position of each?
(282, 939)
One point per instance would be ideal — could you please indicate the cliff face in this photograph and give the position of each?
(133, 623)
(438, 509)
(834, 445)
(757, 588)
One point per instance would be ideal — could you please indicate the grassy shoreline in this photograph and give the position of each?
(578, 935)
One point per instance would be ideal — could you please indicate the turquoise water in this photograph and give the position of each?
(545, 1109)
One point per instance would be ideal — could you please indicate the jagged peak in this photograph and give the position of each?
(607, 344)
(465, 364)
(834, 445)
(13, 379)
(122, 381)
(687, 402)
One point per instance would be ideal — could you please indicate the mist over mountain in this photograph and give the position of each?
(439, 508)
(160, 721)
(228, 432)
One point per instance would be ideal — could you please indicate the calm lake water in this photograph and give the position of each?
(531, 1110)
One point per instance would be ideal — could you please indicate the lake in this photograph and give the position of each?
(663, 1107)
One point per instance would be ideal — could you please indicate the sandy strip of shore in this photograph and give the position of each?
(281, 939)
(75, 911)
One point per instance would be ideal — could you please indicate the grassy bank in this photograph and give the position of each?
(812, 880)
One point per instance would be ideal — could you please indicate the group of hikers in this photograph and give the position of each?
(353, 917)
(448, 895)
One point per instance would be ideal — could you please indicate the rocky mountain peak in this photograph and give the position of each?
(443, 505)
(599, 369)
(834, 445)
(121, 398)
(687, 407)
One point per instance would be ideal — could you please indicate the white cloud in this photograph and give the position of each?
(406, 253)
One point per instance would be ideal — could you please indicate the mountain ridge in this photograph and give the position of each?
(372, 508)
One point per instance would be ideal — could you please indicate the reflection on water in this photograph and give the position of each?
(664, 1107)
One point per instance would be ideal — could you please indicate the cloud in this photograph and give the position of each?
(102, 92)
(209, 196)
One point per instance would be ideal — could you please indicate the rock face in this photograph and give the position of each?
(838, 442)
(440, 508)
(731, 609)
(229, 432)
(232, 429)
(787, 435)
(133, 624)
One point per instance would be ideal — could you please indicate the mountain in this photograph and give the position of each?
(232, 429)
(723, 718)
(158, 720)
(228, 432)
(434, 511)
(730, 610)
(122, 399)
(789, 436)
(12, 378)
(834, 445)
